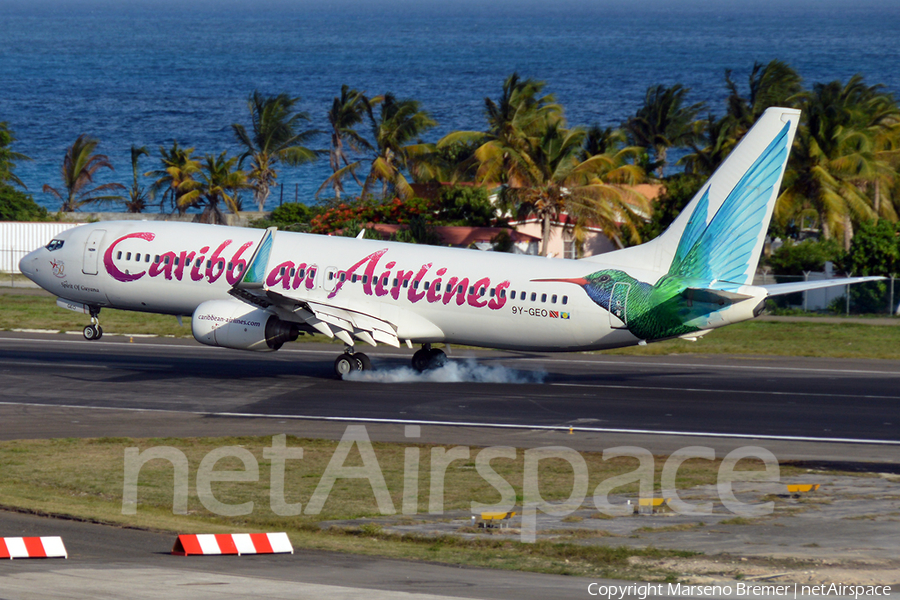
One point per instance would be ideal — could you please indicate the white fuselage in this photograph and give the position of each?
(431, 294)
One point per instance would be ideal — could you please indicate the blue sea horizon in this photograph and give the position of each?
(153, 73)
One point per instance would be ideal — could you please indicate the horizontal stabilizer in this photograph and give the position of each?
(709, 296)
(779, 289)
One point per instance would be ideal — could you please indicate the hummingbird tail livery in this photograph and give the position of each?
(249, 291)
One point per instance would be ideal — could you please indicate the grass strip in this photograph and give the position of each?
(84, 479)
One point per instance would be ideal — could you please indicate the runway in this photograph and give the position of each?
(780, 399)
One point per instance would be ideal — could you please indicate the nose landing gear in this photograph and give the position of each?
(93, 331)
(351, 361)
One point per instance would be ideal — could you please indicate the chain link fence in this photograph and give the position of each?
(870, 298)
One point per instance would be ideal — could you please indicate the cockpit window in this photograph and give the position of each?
(55, 245)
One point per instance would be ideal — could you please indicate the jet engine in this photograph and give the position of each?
(233, 324)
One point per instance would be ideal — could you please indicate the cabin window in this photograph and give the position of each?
(209, 264)
(384, 281)
(168, 259)
(425, 285)
(128, 256)
(354, 278)
(543, 297)
(176, 260)
(197, 264)
(493, 292)
(146, 258)
(437, 286)
(553, 299)
(156, 259)
(55, 245)
(471, 290)
(565, 299)
(406, 283)
(533, 296)
(281, 271)
(416, 284)
(119, 255)
(330, 275)
(230, 266)
(503, 293)
(482, 291)
(343, 276)
(312, 273)
(137, 257)
(365, 279)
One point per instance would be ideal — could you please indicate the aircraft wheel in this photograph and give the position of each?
(90, 333)
(427, 359)
(345, 364)
(99, 332)
(420, 360)
(436, 358)
(364, 360)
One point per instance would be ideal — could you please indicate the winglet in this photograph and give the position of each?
(254, 276)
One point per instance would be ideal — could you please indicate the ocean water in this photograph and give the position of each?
(154, 72)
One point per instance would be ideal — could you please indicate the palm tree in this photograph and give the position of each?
(552, 177)
(662, 122)
(712, 142)
(8, 158)
(516, 119)
(176, 179)
(137, 195)
(220, 183)
(276, 137)
(79, 167)
(397, 123)
(775, 84)
(835, 156)
(347, 110)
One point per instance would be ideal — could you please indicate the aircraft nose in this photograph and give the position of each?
(28, 266)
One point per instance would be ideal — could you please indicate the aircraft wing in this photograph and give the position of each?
(778, 289)
(332, 319)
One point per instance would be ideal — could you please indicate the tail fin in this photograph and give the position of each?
(720, 233)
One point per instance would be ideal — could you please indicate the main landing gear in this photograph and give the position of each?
(94, 331)
(428, 358)
(351, 361)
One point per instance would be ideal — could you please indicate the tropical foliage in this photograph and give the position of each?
(8, 157)
(347, 110)
(79, 168)
(275, 136)
(138, 196)
(220, 184)
(176, 177)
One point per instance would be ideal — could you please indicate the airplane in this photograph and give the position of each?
(252, 292)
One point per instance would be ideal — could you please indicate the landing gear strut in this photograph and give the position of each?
(428, 358)
(351, 361)
(94, 331)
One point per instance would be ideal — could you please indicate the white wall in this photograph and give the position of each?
(18, 239)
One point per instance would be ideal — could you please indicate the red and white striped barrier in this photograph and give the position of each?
(32, 547)
(233, 543)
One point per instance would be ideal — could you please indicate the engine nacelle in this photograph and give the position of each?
(233, 324)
